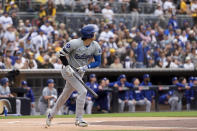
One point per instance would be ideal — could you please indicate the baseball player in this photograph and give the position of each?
(29, 95)
(48, 98)
(189, 93)
(122, 94)
(148, 94)
(90, 99)
(77, 53)
(5, 92)
(137, 97)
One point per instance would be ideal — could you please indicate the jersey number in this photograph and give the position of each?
(68, 45)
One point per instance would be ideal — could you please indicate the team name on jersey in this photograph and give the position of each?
(84, 56)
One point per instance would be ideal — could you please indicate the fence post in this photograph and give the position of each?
(156, 99)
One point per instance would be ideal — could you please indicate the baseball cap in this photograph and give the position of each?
(122, 76)
(50, 81)
(146, 76)
(24, 82)
(174, 78)
(92, 75)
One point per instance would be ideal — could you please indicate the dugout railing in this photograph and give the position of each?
(159, 77)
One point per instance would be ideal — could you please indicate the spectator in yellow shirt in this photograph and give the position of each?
(183, 7)
(42, 13)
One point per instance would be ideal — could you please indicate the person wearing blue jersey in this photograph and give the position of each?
(148, 94)
(123, 96)
(176, 94)
(138, 96)
(29, 94)
(90, 99)
(71, 103)
(189, 94)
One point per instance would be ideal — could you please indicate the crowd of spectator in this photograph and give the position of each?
(25, 45)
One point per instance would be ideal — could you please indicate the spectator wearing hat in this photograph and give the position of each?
(12, 7)
(40, 41)
(123, 97)
(148, 94)
(5, 20)
(5, 92)
(106, 34)
(188, 64)
(90, 99)
(107, 12)
(47, 28)
(29, 94)
(19, 64)
(10, 35)
(48, 97)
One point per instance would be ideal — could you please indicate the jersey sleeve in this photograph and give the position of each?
(69, 46)
(44, 92)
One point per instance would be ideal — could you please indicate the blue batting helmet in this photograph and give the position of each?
(88, 31)
(50, 81)
(4, 80)
(24, 83)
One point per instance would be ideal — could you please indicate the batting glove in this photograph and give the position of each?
(82, 69)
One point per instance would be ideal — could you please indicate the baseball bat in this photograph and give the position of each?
(81, 81)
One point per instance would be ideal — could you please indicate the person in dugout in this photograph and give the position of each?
(48, 98)
(123, 96)
(103, 100)
(163, 99)
(90, 98)
(176, 95)
(148, 94)
(189, 93)
(137, 97)
(29, 94)
(71, 103)
(6, 93)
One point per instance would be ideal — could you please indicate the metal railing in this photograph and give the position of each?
(75, 20)
(73, 6)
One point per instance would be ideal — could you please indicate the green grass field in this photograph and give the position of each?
(138, 114)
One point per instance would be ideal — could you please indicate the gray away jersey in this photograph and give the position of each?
(80, 54)
(4, 91)
(47, 92)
